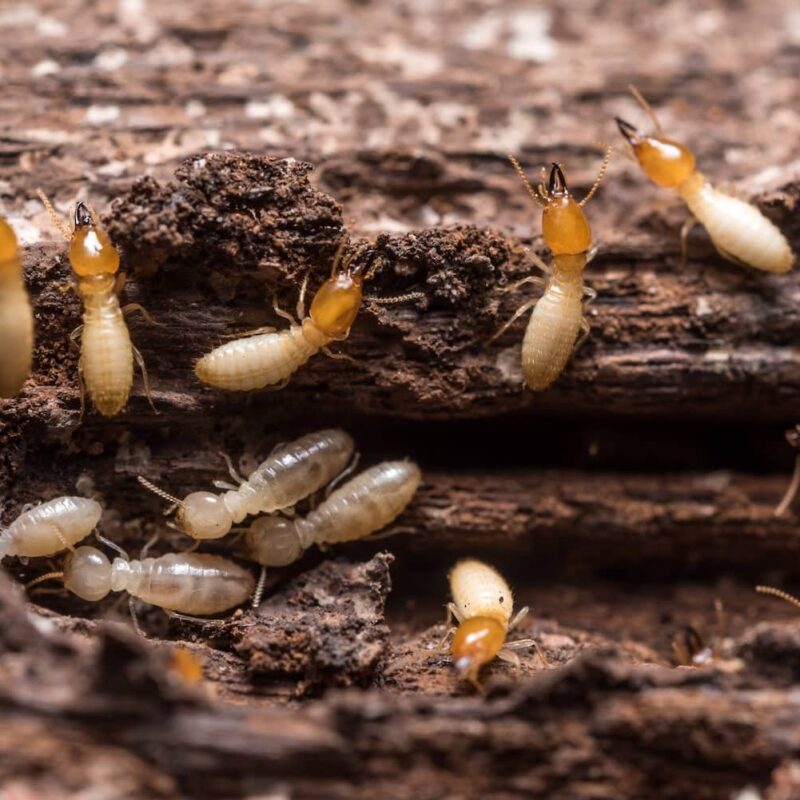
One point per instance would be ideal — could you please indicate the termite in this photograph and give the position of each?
(185, 583)
(293, 471)
(271, 358)
(738, 230)
(365, 504)
(558, 315)
(107, 354)
(691, 648)
(49, 528)
(16, 316)
(482, 604)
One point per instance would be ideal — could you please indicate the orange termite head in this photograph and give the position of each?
(665, 161)
(91, 251)
(476, 642)
(564, 225)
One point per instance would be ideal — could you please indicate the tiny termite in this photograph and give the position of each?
(738, 230)
(49, 528)
(185, 583)
(16, 316)
(365, 504)
(107, 354)
(293, 471)
(482, 604)
(271, 358)
(558, 315)
(793, 437)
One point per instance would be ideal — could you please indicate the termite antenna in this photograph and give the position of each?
(600, 175)
(344, 241)
(49, 576)
(54, 215)
(525, 182)
(82, 217)
(778, 593)
(648, 109)
(160, 492)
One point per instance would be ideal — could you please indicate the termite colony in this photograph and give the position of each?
(294, 474)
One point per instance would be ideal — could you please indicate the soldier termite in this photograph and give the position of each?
(16, 316)
(266, 358)
(738, 230)
(482, 604)
(365, 504)
(293, 471)
(558, 315)
(107, 354)
(49, 528)
(185, 583)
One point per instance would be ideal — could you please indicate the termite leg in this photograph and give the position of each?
(586, 329)
(135, 617)
(300, 309)
(148, 544)
(75, 335)
(232, 471)
(341, 356)
(538, 262)
(189, 618)
(130, 308)
(254, 332)
(686, 229)
(791, 492)
(348, 470)
(82, 389)
(119, 284)
(518, 617)
(145, 380)
(517, 314)
(452, 611)
(281, 313)
(592, 253)
(510, 657)
(535, 280)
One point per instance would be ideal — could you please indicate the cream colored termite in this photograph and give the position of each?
(483, 605)
(293, 471)
(739, 231)
(365, 504)
(50, 527)
(107, 354)
(184, 583)
(558, 315)
(16, 316)
(271, 358)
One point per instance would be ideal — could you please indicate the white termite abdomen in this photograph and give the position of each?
(481, 591)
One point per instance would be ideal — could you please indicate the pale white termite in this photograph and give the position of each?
(50, 527)
(266, 359)
(107, 354)
(482, 604)
(365, 504)
(739, 231)
(293, 471)
(187, 583)
(558, 315)
(16, 316)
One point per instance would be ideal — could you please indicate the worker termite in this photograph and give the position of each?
(738, 230)
(482, 604)
(266, 358)
(558, 315)
(107, 354)
(49, 528)
(293, 471)
(185, 583)
(16, 316)
(365, 504)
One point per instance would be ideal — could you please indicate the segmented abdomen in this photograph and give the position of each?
(259, 361)
(107, 357)
(363, 505)
(193, 583)
(50, 527)
(480, 591)
(738, 229)
(550, 337)
(16, 336)
(294, 471)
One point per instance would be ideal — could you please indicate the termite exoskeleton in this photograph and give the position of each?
(738, 230)
(266, 359)
(365, 504)
(482, 604)
(293, 471)
(107, 354)
(16, 316)
(558, 315)
(186, 583)
(49, 528)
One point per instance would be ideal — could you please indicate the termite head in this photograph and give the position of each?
(91, 251)
(204, 515)
(9, 249)
(476, 642)
(665, 161)
(564, 225)
(87, 573)
(273, 542)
